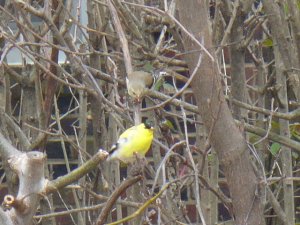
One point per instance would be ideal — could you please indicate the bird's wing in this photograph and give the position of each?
(120, 149)
(128, 133)
(149, 79)
(117, 145)
(146, 77)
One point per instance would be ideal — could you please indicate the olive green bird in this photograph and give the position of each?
(138, 83)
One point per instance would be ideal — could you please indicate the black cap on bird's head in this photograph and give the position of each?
(148, 124)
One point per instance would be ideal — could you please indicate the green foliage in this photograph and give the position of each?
(169, 88)
(286, 8)
(275, 147)
(148, 67)
(167, 125)
(268, 42)
(159, 84)
(253, 138)
(295, 155)
(275, 126)
(294, 129)
(210, 157)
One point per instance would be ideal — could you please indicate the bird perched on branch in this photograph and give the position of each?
(138, 83)
(134, 142)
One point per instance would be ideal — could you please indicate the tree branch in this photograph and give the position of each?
(122, 37)
(141, 209)
(77, 173)
(113, 198)
(6, 149)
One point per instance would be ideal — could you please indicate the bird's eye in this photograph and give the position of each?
(131, 92)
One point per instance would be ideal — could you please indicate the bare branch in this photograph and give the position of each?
(113, 198)
(6, 149)
(122, 37)
(77, 173)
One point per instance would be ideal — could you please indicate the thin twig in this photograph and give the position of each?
(194, 73)
(141, 209)
(122, 37)
(269, 125)
(178, 23)
(113, 198)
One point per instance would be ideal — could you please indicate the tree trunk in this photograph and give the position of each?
(237, 65)
(230, 146)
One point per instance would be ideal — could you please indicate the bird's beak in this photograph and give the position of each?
(138, 99)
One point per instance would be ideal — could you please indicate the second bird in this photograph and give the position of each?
(138, 83)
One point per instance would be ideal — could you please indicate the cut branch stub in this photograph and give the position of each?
(30, 170)
(31, 177)
(9, 202)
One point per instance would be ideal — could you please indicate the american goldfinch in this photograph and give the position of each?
(138, 83)
(134, 142)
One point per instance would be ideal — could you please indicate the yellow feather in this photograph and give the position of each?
(135, 140)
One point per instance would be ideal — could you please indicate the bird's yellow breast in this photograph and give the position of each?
(135, 140)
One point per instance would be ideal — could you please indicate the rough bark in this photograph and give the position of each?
(237, 64)
(230, 146)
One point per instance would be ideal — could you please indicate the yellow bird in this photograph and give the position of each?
(134, 142)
